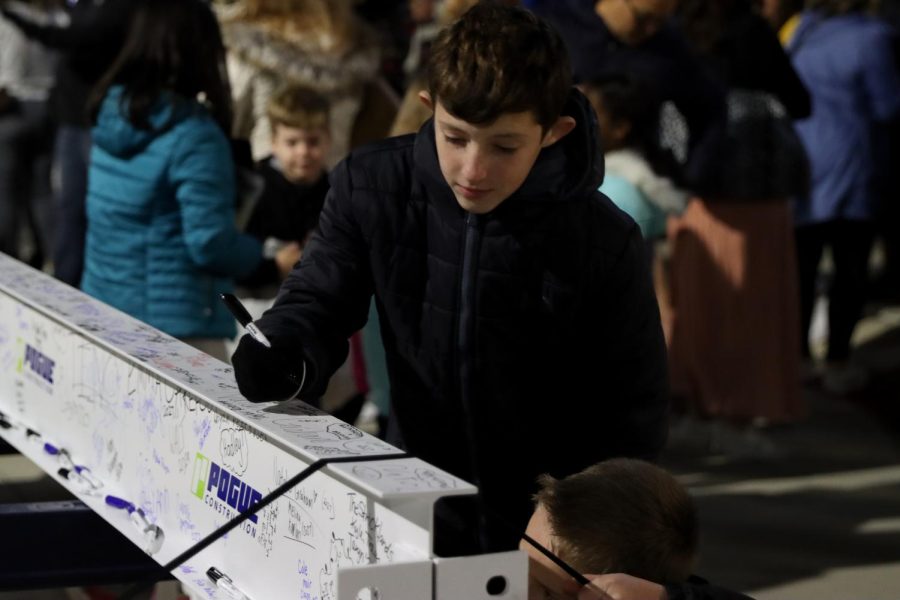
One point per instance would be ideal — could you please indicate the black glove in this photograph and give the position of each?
(266, 374)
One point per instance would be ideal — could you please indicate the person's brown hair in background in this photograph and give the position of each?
(412, 113)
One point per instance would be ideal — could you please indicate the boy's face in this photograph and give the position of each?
(485, 164)
(546, 581)
(300, 152)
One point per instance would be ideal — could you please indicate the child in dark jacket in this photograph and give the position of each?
(295, 184)
(520, 326)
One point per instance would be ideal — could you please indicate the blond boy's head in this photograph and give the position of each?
(301, 138)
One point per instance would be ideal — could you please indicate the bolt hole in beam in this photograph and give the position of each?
(496, 585)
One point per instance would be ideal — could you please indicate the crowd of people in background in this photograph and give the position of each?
(744, 137)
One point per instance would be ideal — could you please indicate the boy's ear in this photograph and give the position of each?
(425, 99)
(558, 130)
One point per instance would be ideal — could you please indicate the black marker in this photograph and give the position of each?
(224, 583)
(569, 569)
(240, 313)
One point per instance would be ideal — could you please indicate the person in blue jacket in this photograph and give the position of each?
(162, 242)
(845, 59)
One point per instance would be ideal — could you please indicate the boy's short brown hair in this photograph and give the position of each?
(499, 59)
(622, 516)
(298, 106)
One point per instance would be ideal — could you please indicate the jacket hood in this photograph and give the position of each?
(299, 61)
(115, 133)
(571, 169)
(582, 146)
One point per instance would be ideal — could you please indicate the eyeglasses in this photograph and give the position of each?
(646, 20)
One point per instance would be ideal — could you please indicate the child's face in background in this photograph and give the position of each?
(300, 152)
(485, 164)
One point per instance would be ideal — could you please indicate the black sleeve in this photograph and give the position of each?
(633, 353)
(326, 297)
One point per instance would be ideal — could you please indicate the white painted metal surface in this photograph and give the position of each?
(160, 425)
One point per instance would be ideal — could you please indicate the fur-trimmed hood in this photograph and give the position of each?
(300, 58)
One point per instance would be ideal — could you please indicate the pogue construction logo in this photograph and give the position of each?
(39, 366)
(223, 491)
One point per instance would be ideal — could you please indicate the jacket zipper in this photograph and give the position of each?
(466, 331)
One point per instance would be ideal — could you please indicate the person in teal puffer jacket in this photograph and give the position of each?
(162, 242)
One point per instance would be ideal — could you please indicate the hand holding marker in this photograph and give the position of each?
(240, 313)
(243, 317)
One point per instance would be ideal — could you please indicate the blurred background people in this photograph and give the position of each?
(320, 44)
(886, 281)
(782, 15)
(734, 347)
(88, 39)
(855, 94)
(641, 178)
(412, 113)
(162, 242)
(638, 37)
(26, 79)
(295, 183)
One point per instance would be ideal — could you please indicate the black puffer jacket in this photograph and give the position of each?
(519, 342)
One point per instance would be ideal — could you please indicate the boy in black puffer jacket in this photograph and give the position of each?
(518, 316)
